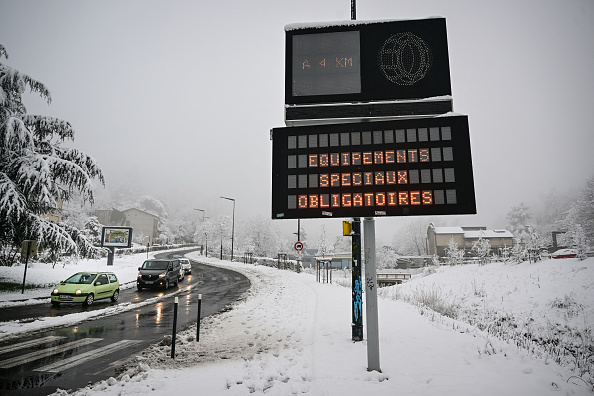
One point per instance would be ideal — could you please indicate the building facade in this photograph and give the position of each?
(438, 239)
(145, 225)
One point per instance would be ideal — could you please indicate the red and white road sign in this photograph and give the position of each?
(298, 246)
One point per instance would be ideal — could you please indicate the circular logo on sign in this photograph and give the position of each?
(404, 58)
(298, 246)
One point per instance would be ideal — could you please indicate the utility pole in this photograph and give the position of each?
(357, 298)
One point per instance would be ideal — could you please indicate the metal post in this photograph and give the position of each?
(353, 9)
(232, 224)
(373, 359)
(232, 230)
(357, 297)
(28, 247)
(198, 320)
(111, 254)
(174, 328)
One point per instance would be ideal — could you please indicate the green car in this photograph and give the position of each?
(86, 287)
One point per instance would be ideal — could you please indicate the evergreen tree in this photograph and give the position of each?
(37, 172)
(517, 219)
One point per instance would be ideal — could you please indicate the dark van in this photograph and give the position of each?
(158, 273)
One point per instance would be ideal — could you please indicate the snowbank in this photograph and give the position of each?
(292, 335)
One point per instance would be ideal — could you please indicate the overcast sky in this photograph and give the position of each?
(179, 96)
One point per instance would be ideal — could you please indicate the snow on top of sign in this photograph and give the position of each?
(310, 25)
(449, 114)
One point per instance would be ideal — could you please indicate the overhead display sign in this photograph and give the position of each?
(116, 237)
(387, 168)
(364, 61)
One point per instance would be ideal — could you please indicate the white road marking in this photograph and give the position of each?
(26, 344)
(85, 357)
(29, 357)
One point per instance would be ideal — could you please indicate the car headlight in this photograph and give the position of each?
(78, 292)
(55, 291)
(162, 275)
(140, 275)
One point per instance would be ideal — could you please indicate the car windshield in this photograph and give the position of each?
(155, 265)
(81, 278)
(184, 261)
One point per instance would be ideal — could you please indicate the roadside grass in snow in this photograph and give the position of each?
(561, 341)
(13, 287)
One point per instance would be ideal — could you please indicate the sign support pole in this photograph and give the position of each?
(357, 298)
(111, 254)
(373, 359)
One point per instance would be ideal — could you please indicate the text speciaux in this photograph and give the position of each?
(320, 174)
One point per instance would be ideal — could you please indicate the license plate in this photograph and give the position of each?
(64, 297)
(149, 282)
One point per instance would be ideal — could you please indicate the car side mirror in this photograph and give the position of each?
(138, 268)
(170, 267)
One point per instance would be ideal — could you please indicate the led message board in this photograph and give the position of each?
(387, 168)
(116, 237)
(363, 61)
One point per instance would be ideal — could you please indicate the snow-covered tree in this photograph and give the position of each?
(576, 239)
(533, 243)
(582, 214)
(385, 256)
(517, 218)
(37, 171)
(259, 236)
(482, 249)
(324, 246)
(517, 251)
(152, 205)
(92, 229)
(412, 239)
(453, 253)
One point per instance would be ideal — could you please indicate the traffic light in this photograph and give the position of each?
(347, 228)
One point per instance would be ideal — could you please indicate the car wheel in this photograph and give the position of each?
(166, 284)
(116, 295)
(89, 300)
(139, 287)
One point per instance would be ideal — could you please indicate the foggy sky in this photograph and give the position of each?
(179, 96)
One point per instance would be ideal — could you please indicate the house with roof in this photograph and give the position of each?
(145, 225)
(438, 238)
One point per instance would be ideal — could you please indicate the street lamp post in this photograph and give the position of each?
(232, 225)
(204, 217)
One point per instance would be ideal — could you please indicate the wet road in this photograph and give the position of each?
(73, 356)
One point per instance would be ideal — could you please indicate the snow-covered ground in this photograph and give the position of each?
(292, 335)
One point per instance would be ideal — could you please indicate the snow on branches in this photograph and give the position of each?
(36, 172)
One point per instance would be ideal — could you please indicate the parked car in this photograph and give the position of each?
(158, 273)
(565, 253)
(186, 266)
(86, 287)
